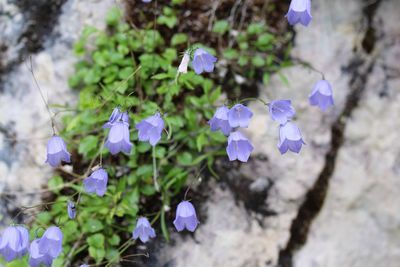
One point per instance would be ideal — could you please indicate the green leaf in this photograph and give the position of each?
(179, 38)
(201, 140)
(256, 28)
(220, 27)
(113, 16)
(92, 226)
(231, 53)
(258, 61)
(185, 158)
(97, 253)
(114, 240)
(96, 240)
(88, 145)
(55, 184)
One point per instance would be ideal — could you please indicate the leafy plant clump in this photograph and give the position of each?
(135, 69)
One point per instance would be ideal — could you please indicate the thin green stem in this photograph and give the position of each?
(155, 171)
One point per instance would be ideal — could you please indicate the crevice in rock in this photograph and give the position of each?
(360, 67)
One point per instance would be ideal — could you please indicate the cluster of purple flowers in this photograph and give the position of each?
(228, 121)
(14, 243)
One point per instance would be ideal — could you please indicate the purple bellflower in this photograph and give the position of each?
(51, 242)
(146, 1)
(220, 121)
(71, 209)
(203, 61)
(14, 242)
(150, 129)
(299, 12)
(239, 116)
(290, 138)
(143, 230)
(184, 63)
(321, 95)
(57, 151)
(36, 259)
(185, 217)
(118, 138)
(281, 110)
(116, 116)
(85, 265)
(97, 182)
(239, 147)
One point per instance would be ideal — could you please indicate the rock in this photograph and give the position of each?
(360, 220)
(26, 127)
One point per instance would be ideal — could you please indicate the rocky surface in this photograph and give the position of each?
(25, 125)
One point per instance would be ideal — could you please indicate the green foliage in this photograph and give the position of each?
(253, 49)
(136, 70)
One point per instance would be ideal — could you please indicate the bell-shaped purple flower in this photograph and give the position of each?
(281, 110)
(57, 151)
(37, 259)
(203, 61)
(97, 182)
(239, 116)
(71, 209)
(290, 138)
(239, 147)
(84, 265)
(150, 129)
(14, 242)
(299, 12)
(118, 138)
(220, 121)
(51, 242)
(143, 230)
(321, 95)
(186, 217)
(116, 116)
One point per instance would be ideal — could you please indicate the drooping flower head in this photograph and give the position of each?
(239, 116)
(203, 61)
(71, 209)
(143, 230)
(290, 138)
(118, 138)
(36, 259)
(281, 110)
(57, 151)
(146, 1)
(150, 129)
(299, 12)
(85, 265)
(321, 95)
(115, 116)
(220, 121)
(97, 182)
(239, 147)
(14, 242)
(184, 63)
(51, 242)
(185, 217)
